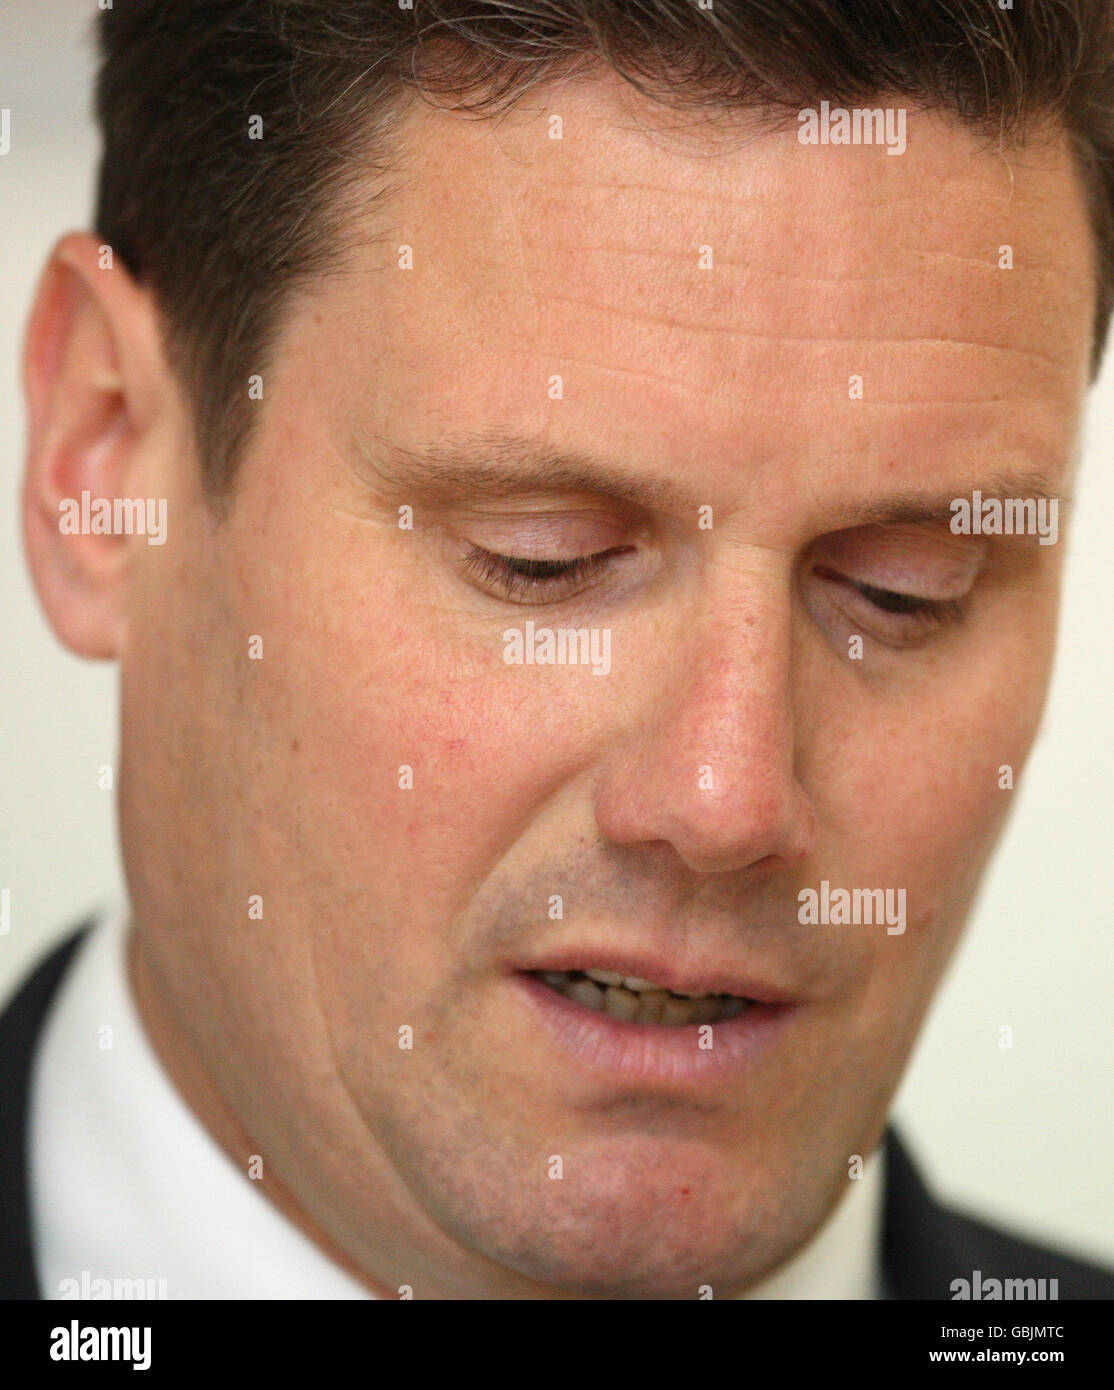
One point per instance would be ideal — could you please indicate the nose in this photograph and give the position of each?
(709, 764)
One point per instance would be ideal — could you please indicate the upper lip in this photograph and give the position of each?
(692, 978)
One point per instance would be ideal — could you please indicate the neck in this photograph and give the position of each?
(205, 1100)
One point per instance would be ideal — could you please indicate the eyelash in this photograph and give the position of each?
(927, 613)
(937, 611)
(521, 577)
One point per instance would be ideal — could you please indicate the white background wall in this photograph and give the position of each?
(1025, 1134)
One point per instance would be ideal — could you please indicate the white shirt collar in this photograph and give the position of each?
(127, 1184)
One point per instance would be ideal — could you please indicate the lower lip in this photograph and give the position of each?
(652, 1051)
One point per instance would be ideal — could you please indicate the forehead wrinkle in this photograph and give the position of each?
(696, 327)
(537, 243)
(501, 255)
(919, 259)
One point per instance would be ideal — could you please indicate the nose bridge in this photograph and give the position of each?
(711, 766)
(733, 698)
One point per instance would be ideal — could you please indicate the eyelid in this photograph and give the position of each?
(936, 612)
(867, 586)
(921, 562)
(550, 534)
(920, 620)
(511, 573)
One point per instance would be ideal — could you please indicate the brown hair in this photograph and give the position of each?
(224, 228)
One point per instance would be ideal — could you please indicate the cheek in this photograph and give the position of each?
(408, 758)
(920, 802)
(929, 760)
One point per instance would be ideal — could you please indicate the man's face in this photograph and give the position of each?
(689, 318)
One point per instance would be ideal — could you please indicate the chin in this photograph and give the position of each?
(641, 1220)
(658, 1259)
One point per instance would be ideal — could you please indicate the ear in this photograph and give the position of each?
(96, 382)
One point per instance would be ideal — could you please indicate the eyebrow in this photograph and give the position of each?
(921, 507)
(494, 465)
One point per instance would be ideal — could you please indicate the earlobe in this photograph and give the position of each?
(88, 400)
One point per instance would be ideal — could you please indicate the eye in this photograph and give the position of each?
(523, 579)
(900, 619)
(936, 610)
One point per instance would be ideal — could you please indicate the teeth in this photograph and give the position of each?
(613, 979)
(639, 1001)
(605, 977)
(584, 992)
(705, 1010)
(651, 1005)
(632, 982)
(621, 1004)
(676, 1011)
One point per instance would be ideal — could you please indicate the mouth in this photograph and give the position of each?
(673, 1027)
(629, 999)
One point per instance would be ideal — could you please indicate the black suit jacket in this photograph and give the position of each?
(925, 1245)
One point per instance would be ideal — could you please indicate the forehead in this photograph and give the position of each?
(706, 296)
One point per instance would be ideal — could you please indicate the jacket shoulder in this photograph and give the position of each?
(927, 1247)
(20, 1025)
(999, 1254)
